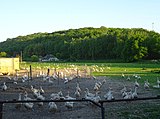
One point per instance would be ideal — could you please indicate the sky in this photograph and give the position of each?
(23, 17)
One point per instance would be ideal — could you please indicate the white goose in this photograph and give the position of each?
(158, 81)
(134, 94)
(88, 93)
(77, 93)
(146, 85)
(28, 105)
(52, 106)
(78, 87)
(128, 95)
(136, 84)
(69, 105)
(4, 87)
(34, 90)
(57, 96)
(124, 89)
(41, 90)
(109, 95)
(18, 105)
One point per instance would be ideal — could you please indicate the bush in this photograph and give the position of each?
(34, 58)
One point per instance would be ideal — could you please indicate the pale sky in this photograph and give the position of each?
(23, 17)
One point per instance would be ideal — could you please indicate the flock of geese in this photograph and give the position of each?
(38, 93)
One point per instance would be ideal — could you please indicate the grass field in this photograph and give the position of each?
(146, 70)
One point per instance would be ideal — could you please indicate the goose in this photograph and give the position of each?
(40, 97)
(18, 105)
(69, 105)
(128, 95)
(4, 87)
(57, 96)
(146, 85)
(158, 81)
(52, 106)
(109, 95)
(97, 98)
(124, 89)
(34, 90)
(104, 81)
(25, 77)
(94, 97)
(54, 76)
(9, 77)
(26, 96)
(134, 94)
(128, 78)
(88, 93)
(77, 93)
(123, 76)
(136, 84)
(96, 88)
(78, 87)
(41, 90)
(28, 105)
(68, 97)
(50, 81)
(66, 80)
(124, 94)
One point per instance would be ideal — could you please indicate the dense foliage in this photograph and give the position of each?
(88, 44)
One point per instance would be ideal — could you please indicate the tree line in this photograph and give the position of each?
(87, 44)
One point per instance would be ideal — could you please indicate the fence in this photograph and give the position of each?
(100, 104)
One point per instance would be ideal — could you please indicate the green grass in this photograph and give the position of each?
(146, 70)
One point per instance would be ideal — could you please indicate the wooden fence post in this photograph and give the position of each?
(30, 72)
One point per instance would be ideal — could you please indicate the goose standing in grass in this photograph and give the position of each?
(158, 83)
(128, 78)
(4, 87)
(123, 76)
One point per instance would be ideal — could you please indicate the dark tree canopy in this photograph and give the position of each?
(88, 44)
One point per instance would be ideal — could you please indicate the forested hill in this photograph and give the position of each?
(88, 44)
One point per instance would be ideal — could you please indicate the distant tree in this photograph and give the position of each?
(34, 58)
(3, 54)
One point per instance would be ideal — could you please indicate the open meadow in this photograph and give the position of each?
(106, 81)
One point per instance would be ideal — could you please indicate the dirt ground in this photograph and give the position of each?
(81, 110)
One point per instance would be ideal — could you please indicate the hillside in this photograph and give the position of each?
(88, 44)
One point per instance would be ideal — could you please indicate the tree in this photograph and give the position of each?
(3, 54)
(34, 58)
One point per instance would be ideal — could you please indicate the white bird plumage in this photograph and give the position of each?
(4, 87)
